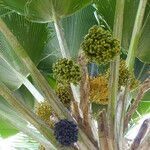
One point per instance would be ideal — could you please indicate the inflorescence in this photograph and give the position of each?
(99, 46)
(66, 71)
(44, 111)
(99, 90)
(66, 132)
(64, 95)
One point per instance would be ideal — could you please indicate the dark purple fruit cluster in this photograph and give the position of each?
(66, 132)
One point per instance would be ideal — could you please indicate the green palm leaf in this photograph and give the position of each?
(4, 11)
(45, 11)
(32, 36)
(143, 107)
(6, 129)
(76, 27)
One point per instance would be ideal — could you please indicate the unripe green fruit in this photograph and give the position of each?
(66, 71)
(64, 95)
(124, 74)
(44, 111)
(99, 46)
(134, 83)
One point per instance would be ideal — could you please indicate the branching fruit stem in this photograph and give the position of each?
(103, 131)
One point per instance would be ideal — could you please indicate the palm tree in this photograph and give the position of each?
(75, 74)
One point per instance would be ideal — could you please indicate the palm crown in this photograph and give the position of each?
(75, 71)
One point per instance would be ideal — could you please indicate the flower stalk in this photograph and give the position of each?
(102, 130)
(84, 96)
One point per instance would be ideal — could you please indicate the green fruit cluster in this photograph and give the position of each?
(44, 111)
(99, 46)
(66, 71)
(124, 74)
(134, 83)
(64, 95)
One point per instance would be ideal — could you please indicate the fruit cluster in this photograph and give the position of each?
(66, 132)
(99, 46)
(64, 95)
(134, 83)
(99, 90)
(124, 74)
(44, 111)
(66, 71)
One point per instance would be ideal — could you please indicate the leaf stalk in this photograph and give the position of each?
(136, 35)
(114, 76)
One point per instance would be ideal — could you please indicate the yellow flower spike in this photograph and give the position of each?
(99, 90)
